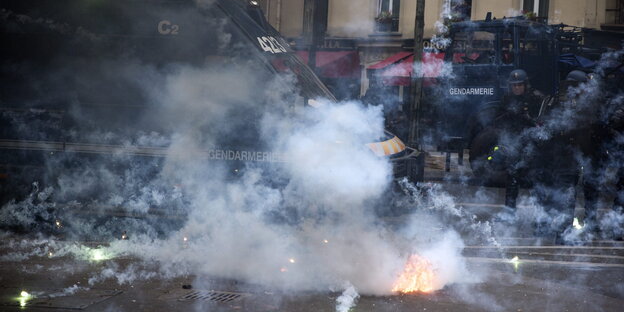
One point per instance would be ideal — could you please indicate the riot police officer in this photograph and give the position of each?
(593, 150)
(614, 147)
(518, 113)
(603, 152)
(555, 170)
(616, 126)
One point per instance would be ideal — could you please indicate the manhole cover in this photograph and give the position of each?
(217, 296)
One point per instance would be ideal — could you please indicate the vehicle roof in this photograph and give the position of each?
(503, 23)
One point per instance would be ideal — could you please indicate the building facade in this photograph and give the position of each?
(380, 28)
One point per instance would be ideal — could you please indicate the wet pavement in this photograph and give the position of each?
(514, 272)
(542, 278)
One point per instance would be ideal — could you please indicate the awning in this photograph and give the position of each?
(396, 70)
(335, 64)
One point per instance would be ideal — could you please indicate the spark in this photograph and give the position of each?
(58, 224)
(577, 225)
(515, 261)
(98, 255)
(291, 260)
(124, 235)
(325, 241)
(185, 239)
(24, 297)
(50, 254)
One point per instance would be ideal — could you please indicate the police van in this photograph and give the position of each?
(482, 54)
(80, 79)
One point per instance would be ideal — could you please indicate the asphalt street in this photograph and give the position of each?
(544, 278)
(517, 272)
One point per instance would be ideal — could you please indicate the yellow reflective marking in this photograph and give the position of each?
(401, 144)
(376, 149)
(385, 148)
(395, 146)
(388, 147)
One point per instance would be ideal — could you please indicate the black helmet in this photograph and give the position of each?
(518, 76)
(577, 75)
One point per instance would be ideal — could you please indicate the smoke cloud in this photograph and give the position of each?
(228, 175)
(347, 300)
(238, 179)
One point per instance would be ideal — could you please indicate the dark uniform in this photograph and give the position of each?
(594, 151)
(615, 148)
(518, 113)
(604, 152)
(556, 168)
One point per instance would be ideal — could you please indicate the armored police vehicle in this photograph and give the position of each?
(482, 55)
(83, 82)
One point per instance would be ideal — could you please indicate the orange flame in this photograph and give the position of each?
(417, 276)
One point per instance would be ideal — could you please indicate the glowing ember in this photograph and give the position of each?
(58, 224)
(99, 255)
(417, 276)
(516, 262)
(291, 260)
(24, 297)
(576, 224)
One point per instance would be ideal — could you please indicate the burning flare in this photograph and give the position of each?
(24, 298)
(417, 276)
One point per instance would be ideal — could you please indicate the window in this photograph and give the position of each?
(474, 47)
(460, 9)
(388, 15)
(539, 7)
(615, 12)
(507, 47)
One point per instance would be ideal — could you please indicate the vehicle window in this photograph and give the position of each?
(311, 87)
(474, 47)
(536, 50)
(507, 47)
(531, 42)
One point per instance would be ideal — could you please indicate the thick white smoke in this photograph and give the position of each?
(307, 223)
(302, 220)
(315, 232)
(347, 300)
